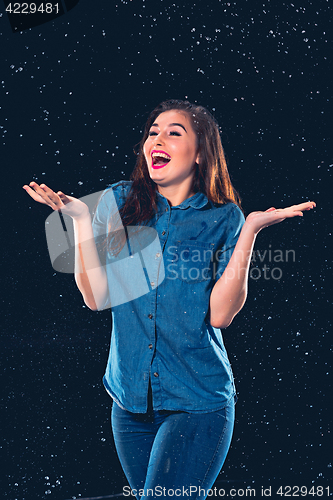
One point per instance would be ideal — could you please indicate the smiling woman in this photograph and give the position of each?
(168, 371)
(172, 138)
(189, 134)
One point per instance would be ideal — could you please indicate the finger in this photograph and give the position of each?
(48, 195)
(304, 206)
(65, 200)
(35, 196)
(296, 209)
(271, 209)
(294, 213)
(312, 204)
(53, 197)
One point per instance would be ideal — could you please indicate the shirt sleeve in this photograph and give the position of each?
(223, 255)
(101, 216)
(108, 206)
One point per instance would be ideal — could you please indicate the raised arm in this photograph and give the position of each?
(90, 276)
(230, 291)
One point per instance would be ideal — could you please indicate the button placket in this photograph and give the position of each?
(162, 227)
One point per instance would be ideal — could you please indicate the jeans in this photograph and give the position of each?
(172, 450)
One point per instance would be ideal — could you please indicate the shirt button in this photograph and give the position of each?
(163, 233)
(150, 346)
(152, 283)
(158, 255)
(156, 374)
(150, 316)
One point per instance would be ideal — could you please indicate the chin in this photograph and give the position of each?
(156, 176)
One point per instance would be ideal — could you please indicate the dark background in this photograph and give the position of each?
(75, 95)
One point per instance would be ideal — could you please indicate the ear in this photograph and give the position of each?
(197, 160)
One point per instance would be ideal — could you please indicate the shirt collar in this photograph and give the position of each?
(196, 201)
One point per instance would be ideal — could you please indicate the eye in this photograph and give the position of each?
(173, 132)
(152, 133)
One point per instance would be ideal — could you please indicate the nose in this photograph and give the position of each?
(158, 140)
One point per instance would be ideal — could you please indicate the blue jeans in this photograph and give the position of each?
(181, 452)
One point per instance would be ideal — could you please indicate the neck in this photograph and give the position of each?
(175, 194)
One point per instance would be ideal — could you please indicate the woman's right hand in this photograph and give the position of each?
(57, 201)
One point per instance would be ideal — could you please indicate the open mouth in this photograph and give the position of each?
(160, 159)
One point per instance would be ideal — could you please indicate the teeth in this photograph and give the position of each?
(161, 155)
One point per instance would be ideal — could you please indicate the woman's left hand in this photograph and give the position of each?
(259, 220)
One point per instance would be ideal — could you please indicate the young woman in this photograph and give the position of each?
(168, 371)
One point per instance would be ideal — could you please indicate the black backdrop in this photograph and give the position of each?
(75, 95)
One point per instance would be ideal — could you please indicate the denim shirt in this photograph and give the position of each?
(164, 336)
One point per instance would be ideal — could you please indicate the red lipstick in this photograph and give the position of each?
(159, 153)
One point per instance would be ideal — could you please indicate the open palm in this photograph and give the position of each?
(259, 220)
(57, 201)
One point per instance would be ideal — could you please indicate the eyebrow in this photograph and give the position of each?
(171, 125)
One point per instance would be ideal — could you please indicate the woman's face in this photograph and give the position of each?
(171, 149)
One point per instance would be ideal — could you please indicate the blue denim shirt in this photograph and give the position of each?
(164, 335)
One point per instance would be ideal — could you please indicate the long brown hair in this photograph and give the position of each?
(211, 175)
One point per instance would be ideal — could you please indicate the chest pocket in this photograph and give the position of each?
(193, 261)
